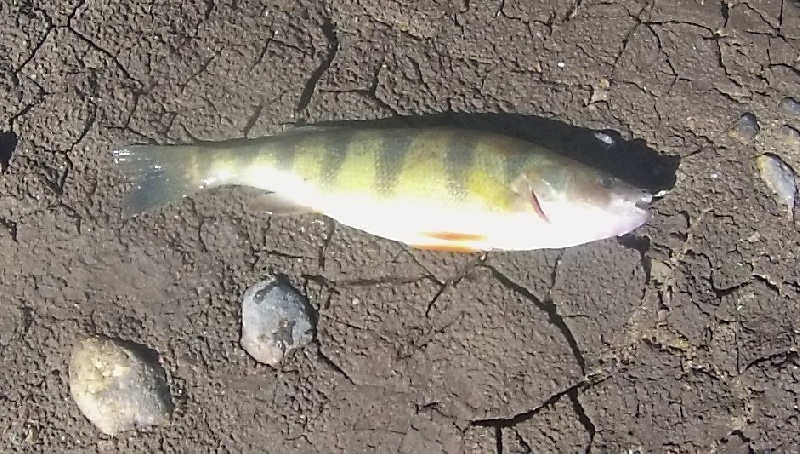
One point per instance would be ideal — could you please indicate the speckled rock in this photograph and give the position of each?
(117, 388)
(276, 319)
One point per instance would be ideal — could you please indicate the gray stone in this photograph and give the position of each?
(790, 106)
(276, 319)
(746, 128)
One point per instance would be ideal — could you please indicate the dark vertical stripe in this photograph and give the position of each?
(459, 157)
(254, 149)
(286, 153)
(390, 160)
(517, 157)
(336, 144)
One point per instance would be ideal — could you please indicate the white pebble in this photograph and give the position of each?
(605, 138)
(780, 178)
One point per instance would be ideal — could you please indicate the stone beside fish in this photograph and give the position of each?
(780, 178)
(276, 320)
(438, 189)
(116, 388)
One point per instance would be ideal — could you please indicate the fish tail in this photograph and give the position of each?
(161, 174)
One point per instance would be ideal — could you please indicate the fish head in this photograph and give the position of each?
(584, 202)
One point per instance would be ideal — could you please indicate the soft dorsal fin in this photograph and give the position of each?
(307, 129)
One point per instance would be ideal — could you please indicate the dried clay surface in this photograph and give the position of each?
(680, 338)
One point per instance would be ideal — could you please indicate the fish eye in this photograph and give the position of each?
(607, 182)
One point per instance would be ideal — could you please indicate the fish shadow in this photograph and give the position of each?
(630, 160)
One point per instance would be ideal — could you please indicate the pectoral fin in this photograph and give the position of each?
(277, 205)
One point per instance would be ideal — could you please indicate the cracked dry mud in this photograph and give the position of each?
(681, 339)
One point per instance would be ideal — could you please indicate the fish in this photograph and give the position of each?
(431, 188)
(780, 178)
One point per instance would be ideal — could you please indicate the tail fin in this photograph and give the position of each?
(161, 174)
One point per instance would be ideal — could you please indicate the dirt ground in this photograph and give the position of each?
(681, 338)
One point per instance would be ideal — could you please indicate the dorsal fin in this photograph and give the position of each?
(307, 129)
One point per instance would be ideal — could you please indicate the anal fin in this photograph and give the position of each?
(445, 241)
(455, 236)
(445, 248)
(277, 205)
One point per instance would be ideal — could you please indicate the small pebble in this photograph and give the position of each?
(746, 127)
(780, 178)
(790, 106)
(660, 272)
(661, 317)
(276, 319)
(790, 133)
(116, 388)
(21, 434)
(603, 137)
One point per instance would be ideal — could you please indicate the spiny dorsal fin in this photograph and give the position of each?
(307, 129)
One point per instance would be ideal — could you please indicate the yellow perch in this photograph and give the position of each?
(431, 188)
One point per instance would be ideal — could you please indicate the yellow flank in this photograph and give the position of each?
(423, 174)
(358, 172)
(486, 178)
(491, 192)
(309, 158)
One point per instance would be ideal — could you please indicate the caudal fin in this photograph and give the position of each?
(161, 174)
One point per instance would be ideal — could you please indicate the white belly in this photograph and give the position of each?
(457, 229)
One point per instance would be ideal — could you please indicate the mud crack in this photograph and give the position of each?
(93, 45)
(329, 30)
(550, 309)
(571, 393)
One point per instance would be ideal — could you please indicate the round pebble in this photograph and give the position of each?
(116, 388)
(604, 137)
(780, 178)
(276, 319)
(746, 127)
(790, 133)
(790, 106)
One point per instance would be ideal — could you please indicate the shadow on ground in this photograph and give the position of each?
(8, 143)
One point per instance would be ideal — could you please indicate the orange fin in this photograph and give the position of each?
(454, 236)
(450, 242)
(444, 248)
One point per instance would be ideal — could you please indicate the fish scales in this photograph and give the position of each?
(436, 163)
(390, 160)
(431, 188)
(499, 162)
(309, 155)
(424, 174)
(353, 169)
(459, 160)
(389, 163)
(338, 161)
